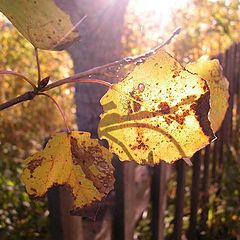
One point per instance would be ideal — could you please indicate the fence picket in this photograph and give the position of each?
(195, 190)
(178, 221)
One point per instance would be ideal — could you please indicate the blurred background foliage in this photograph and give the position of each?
(23, 129)
(209, 27)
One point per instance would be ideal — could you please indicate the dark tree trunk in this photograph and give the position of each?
(100, 43)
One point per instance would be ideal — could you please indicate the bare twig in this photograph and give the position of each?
(59, 108)
(78, 77)
(22, 77)
(103, 68)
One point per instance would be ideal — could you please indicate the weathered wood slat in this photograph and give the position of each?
(178, 221)
(231, 77)
(215, 157)
(118, 210)
(205, 188)
(129, 199)
(195, 191)
(237, 130)
(158, 198)
(55, 214)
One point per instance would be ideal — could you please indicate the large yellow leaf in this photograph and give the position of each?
(42, 22)
(75, 160)
(218, 84)
(158, 112)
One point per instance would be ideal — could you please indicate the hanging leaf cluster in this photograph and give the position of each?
(160, 112)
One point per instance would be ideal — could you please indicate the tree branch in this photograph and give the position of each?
(22, 98)
(78, 77)
(103, 68)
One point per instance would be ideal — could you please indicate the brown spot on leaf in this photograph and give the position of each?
(164, 108)
(168, 120)
(34, 164)
(140, 142)
(92, 156)
(179, 118)
(201, 108)
(136, 106)
(33, 190)
(94, 209)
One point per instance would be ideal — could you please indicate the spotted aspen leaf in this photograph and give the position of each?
(211, 71)
(42, 22)
(75, 160)
(158, 112)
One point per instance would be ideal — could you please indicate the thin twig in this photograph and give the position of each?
(38, 65)
(59, 108)
(22, 77)
(103, 68)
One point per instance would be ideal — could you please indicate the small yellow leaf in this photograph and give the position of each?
(75, 160)
(218, 84)
(158, 112)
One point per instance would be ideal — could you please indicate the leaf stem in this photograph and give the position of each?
(59, 108)
(73, 80)
(38, 65)
(22, 77)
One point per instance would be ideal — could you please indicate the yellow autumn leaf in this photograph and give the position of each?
(158, 112)
(75, 160)
(42, 22)
(211, 71)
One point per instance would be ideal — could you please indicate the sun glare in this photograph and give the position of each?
(162, 9)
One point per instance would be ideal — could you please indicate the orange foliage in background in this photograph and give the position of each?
(25, 127)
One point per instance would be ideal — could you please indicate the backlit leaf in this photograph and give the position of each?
(158, 112)
(75, 160)
(42, 22)
(218, 84)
